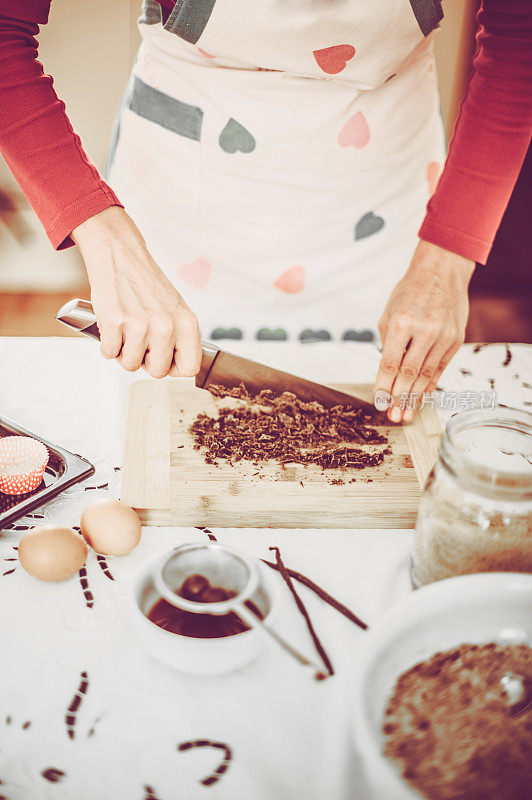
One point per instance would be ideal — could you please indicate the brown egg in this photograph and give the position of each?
(52, 553)
(110, 527)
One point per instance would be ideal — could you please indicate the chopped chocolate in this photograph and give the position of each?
(288, 430)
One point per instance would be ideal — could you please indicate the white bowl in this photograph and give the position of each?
(490, 607)
(199, 656)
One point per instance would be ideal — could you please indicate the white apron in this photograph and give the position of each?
(277, 156)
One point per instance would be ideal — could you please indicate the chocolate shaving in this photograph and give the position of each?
(285, 575)
(288, 430)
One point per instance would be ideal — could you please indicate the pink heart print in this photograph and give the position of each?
(196, 273)
(355, 132)
(433, 173)
(292, 280)
(333, 60)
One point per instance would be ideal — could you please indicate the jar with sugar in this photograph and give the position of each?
(475, 514)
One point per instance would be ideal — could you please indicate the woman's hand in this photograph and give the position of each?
(422, 327)
(143, 320)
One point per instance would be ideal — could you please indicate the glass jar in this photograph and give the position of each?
(475, 514)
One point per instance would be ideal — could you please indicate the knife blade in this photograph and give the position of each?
(220, 368)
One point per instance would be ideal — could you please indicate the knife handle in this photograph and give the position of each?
(79, 315)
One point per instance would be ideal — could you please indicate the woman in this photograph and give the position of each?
(278, 165)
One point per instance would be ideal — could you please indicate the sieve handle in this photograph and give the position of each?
(253, 621)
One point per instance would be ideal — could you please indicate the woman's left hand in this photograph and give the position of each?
(422, 327)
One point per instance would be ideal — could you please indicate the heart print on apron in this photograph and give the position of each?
(278, 160)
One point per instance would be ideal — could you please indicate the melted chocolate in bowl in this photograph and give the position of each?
(200, 626)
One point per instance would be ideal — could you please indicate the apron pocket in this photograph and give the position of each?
(166, 111)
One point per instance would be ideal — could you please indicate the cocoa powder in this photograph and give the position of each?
(454, 731)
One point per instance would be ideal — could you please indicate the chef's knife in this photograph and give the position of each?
(219, 368)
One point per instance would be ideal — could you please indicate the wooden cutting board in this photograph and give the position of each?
(169, 483)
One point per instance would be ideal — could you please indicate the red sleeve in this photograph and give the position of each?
(491, 135)
(36, 138)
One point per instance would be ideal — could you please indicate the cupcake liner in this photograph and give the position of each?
(22, 464)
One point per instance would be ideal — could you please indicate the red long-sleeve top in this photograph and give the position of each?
(486, 152)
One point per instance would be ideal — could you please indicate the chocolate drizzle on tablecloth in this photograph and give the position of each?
(104, 566)
(209, 533)
(17, 526)
(102, 563)
(508, 356)
(11, 560)
(24, 726)
(87, 594)
(215, 776)
(285, 429)
(72, 710)
(52, 774)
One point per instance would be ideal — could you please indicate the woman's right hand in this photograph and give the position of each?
(142, 318)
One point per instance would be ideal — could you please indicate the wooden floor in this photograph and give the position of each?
(492, 319)
(34, 314)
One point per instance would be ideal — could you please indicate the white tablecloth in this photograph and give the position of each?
(289, 737)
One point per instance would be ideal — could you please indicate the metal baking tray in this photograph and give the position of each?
(63, 470)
